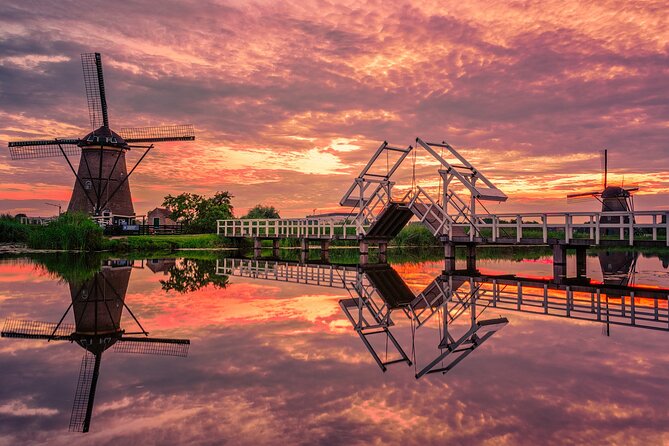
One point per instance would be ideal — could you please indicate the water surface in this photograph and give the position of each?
(278, 362)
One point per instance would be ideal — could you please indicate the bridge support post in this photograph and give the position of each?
(581, 261)
(257, 248)
(325, 250)
(275, 247)
(364, 252)
(449, 257)
(383, 252)
(559, 261)
(471, 257)
(304, 245)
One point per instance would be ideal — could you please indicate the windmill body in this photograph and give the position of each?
(101, 187)
(102, 167)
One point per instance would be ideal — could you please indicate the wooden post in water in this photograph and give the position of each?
(581, 260)
(471, 257)
(325, 250)
(559, 261)
(364, 252)
(449, 257)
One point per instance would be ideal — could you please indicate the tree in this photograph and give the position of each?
(197, 212)
(189, 275)
(261, 211)
(183, 207)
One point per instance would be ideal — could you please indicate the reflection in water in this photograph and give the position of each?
(276, 359)
(97, 305)
(378, 293)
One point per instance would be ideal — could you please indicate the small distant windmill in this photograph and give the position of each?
(97, 305)
(613, 198)
(101, 187)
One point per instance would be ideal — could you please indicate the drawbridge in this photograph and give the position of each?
(455, 214)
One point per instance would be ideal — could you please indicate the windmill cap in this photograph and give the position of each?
(103, 136)
(615, 192)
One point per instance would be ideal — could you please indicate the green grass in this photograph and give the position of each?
(70, 232)
(168, 242)
(414, 235)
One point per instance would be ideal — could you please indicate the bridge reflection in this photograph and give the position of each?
(378, 296)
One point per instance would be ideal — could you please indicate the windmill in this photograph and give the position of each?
(97, 305)
(613, 198)
(101, 187)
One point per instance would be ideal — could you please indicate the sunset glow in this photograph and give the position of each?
(290, 99)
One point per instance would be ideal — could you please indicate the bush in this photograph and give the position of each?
(415, 234)
(71, 231)
(12, 230)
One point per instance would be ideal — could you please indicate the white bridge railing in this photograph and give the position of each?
(288, 228)
(331, 276)
(567, 226)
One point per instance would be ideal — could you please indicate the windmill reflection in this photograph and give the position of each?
(97, 306)
(378, 295)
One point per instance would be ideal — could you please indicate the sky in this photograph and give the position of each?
(290, 99)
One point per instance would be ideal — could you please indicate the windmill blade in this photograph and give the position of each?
(19, 328)
(95, 89)
(584, 194)
(158, 134)
(22, 150)
(84, 395)
(153, 346)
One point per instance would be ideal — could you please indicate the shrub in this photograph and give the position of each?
(12, 230)
(415, 235)
(71, 231)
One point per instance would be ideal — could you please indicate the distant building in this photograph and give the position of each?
(26, 220)
(159, 217)
(160, 265)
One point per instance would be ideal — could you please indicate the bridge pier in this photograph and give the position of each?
(363, 249)
(275, 247)
(449, 257)
(581, 261)
(383, 252)
(559, 261)
(471, 257)
(325, 250)
(257, 248)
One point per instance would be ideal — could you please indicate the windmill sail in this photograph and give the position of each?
(19, 328)
(21, 150)
(158, 134)
(82, 409)
(153, 346)
(95, 89)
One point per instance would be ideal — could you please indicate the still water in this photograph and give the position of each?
(221, 350)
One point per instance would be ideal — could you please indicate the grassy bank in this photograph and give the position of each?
(69, 232)
(168, 242)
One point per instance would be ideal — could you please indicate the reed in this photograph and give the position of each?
(72, 231)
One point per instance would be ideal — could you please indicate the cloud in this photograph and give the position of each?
(271, 88)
